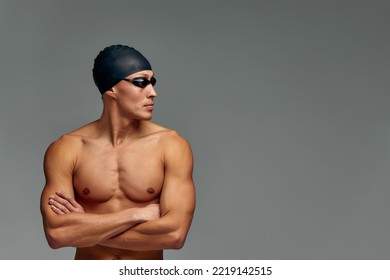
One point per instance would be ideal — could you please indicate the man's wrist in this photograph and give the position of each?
(136, 216)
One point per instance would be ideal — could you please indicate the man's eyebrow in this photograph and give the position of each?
(143, 76)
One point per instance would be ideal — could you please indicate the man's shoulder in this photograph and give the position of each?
(171, 140)
(70, 142)
(165, 134)
(171, 136)
(167, 138)
(176, 149)
(66, 145)
(75, 137)
(82, 133)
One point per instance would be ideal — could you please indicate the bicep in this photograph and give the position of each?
(178, 193)
(58, 169)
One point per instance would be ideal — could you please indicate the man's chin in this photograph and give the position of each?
(144, 118)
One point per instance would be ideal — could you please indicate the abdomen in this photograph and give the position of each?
(106, 253)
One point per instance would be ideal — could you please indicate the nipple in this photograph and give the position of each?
(86, 191)
(150, 190)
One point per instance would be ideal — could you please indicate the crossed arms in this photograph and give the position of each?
(155, 227)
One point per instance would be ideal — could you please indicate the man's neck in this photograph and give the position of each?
(118, 128)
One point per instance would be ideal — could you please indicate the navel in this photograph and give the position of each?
(86, 191)
(150, 190)
(116, 257)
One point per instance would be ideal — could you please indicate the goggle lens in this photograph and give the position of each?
(142, 82)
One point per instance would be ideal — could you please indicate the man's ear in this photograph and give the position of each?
(111, 93)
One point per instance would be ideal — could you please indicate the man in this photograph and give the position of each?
(120, 187)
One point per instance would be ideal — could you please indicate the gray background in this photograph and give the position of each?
(285, 104)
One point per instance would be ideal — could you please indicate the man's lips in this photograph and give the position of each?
(149, 106)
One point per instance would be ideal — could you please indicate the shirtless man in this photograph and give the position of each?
(120, 187)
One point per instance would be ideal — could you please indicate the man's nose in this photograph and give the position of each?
(151, 91)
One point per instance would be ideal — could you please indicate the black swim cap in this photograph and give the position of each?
(115, 63)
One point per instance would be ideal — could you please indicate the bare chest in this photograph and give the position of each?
(132, 175)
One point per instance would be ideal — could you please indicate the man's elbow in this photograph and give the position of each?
(54, 244)
(55, 239)
(59, 238)
(177, 240)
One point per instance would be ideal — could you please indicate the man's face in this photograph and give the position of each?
(134, 100)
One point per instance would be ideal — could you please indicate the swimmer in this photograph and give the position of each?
(119, 187)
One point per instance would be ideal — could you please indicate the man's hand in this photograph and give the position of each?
(150, 212)
(62, 203)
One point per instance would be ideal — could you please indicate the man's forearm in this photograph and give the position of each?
(86, 229)
(164, 233)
